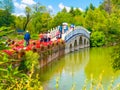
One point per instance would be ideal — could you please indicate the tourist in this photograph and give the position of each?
(60, 29)
(72, 26)
(48, 36)
(27, 38)
(45, 37)
(41, 37)
(58, 35)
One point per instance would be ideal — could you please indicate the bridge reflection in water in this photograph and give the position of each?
(69, 69)
(75, 68)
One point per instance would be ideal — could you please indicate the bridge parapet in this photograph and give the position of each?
(53, 32)
(82, 28)
(77, 31)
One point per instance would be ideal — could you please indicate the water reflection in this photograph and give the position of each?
(76, 60)
(76, 67)
(70, 69)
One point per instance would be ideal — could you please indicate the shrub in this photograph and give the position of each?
(27, 61)
(97, 39)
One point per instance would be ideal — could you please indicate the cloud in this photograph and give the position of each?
(28, 2)
(18, 14)
(61, 6)
(19, 6)
(50, 7)
(80, 9)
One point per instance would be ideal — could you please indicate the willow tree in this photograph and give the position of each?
(28, 12)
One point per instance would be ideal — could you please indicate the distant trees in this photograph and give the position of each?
(7, 5)
(6, 19)
(105, 18)
(97, 39)
(6, 8)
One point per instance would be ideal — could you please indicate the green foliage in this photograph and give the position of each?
(38, 19)
(97, 39)
(116, 58)
(29, 59)
(64, 10)
(3, 58)
(62, 17)
(3, 45)
(12, 79)
(6, 19)
(7, 5)
(35, 36)
(91, 6)
(19, 22)
(116, 55)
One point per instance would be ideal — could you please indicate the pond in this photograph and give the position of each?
(81, 69)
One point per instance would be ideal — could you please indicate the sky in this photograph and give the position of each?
(54, 5)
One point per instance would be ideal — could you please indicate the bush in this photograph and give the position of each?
(34, 36)
(29, 59)
(97, 39)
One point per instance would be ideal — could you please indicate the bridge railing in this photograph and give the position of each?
(77, 31)
(80, 27)
(70, 32)
(53, 32)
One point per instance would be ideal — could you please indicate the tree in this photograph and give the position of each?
(28, 17)
(6, 19)
(97, 39)
(89, 18)
(40, 19)
(107, 5)
(19, 22)
(7, 5)
(91, 6)
(62, 17)
(116, 2)
(79, 20)
(72, 11)
(45, 18)
(77, 12)
(64, 10)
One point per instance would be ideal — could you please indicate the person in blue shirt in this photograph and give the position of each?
(72, 26)
(27, 38)
(60, 29)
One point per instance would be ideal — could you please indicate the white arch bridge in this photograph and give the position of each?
(75, 39)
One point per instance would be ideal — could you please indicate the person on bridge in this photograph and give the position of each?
(60, 29)
(41, 37)
(72, 26)
(27, 38)
(58, 35)
(48, 36)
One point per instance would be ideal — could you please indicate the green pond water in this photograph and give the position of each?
(75, 69)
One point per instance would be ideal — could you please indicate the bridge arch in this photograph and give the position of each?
(78, 38)
(75, 43)
(85, 41)
(70, 47)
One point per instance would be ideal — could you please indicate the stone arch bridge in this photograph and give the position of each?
(75, 39)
